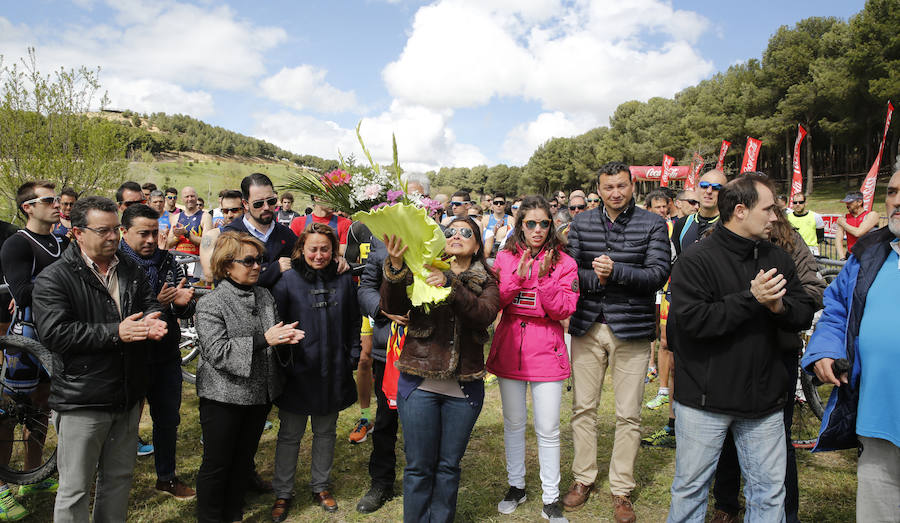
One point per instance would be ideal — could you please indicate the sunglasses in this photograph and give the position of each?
(800, 202)
(465, 232)
(707, 185)
(577, 207)
(132, 202)
(231, 210)
(171, 197)
(271, 202)
(250, 261)
(531, 224)
(499, 202)
(690, 201)
(456, 204)
(593, 200)
(49, 200)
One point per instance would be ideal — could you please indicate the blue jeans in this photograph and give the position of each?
(436, 430)
(761, 450)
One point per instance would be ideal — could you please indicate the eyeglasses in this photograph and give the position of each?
(465, 232)
(103, 232)
(554, 204)
(250, 261)
(232, 210)
(531, 224)
(690, 201)
(593, 200)
(499, 202)
(708, 185)
(132, 202)
(577, 207)
(801, 202)
(271, 202)
(456, 204)
(49, 200)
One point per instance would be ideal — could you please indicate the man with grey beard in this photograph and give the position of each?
(855, 349)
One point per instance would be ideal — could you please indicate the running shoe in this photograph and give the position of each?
(662, 438)
(10, 508)
(652, 373)
(553, 512)
(144, 448)
(513, 498)
(48, 485)
(361, 431)
(658, 401)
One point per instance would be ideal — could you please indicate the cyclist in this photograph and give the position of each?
(231, 209)
(855, 223)
(323, 214)
(809, 224)
(186, 231)
(24, 256)
(67, 199)
(359, 243)
(285, 215)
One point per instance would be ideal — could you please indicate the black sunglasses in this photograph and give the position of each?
(499, 202)
(231, 210)
(690, 201)
(578, 207)
(594, 200)
(249, 261)
(132, 202)
(465, 232)
(458, 203)
(707, 185)
(531, 224)
(271, 202)
(800, 202)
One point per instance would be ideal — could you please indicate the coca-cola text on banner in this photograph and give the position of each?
(724, 149)
(751, 152)
(666, 167)
(797, 181)
(868, 186)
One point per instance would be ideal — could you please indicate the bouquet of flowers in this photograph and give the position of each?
(379, 198)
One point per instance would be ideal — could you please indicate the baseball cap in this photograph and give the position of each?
(852, 196)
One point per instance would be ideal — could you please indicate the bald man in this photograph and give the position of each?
(186, 231)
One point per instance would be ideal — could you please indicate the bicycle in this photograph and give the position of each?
(28, 418)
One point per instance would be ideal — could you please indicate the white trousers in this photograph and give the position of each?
(545, 399)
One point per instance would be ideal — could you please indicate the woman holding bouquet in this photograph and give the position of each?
(538, 289)
(440, 391)
(319, 370)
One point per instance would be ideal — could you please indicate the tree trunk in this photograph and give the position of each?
(809, 160)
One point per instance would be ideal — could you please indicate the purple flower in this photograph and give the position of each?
(393, 196)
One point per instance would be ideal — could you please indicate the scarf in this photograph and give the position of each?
(149, 265)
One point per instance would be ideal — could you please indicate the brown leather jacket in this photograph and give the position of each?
(448, 340)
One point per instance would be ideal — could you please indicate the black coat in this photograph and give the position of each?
(78, 322)
(638, 244)
(279, 245)
(369, 295)
(319, 369)
(728, 357)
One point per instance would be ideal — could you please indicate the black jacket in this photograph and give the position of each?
(369, 294)
(319, 369)
(728, 358)
(167, 348)
(638, 243)
(77, 321)
(279, 245)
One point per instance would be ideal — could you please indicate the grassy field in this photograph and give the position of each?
(827, 480)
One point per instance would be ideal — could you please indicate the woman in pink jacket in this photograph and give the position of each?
(538, 289)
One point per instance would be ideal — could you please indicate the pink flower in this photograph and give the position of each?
(337, 177)
(393, 196)
(371, 191)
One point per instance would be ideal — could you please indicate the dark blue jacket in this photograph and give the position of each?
(279, 245)
(638, 243)
(319, 369)
(837, 335)
(370, 298)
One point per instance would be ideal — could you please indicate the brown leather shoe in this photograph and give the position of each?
(325, 500)
(720, 516)
(577, 496)
(623, 509)
(280, 509)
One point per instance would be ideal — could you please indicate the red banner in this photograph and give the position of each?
(721, 163)
(751, 152)
(797, 182)
(654, 172)
(868, 186)
(666, 168)
(696, 167)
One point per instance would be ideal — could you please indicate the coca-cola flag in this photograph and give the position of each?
(696, 166)
(721, 163)
(868, 186)
(797, 181)
(751, 152)
(666, 167)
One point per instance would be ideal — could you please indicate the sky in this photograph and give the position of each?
(459, 82)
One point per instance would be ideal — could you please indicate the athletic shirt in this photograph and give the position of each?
(855, 221)
(191, 224)
(806, 226)
(338, 224)
(493, 220)
(286, 217)
(24, 255)
(692, 229)
(59, 230)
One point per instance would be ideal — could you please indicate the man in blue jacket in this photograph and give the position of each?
(859, 326)
(623, 258)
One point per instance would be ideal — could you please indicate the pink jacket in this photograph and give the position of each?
(528, 344)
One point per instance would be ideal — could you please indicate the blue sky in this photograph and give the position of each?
(460, 82)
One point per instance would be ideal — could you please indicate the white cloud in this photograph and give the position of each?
(425, 140)
(149, 96)
(523, 139)
(304, 87)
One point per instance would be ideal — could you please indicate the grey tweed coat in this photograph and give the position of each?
(236, 364)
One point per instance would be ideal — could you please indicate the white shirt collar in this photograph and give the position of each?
(262, 235)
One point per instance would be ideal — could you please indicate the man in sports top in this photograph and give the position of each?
(809, 224)
(855, 223)
(324, 214)
(67, 199)
(186, 231)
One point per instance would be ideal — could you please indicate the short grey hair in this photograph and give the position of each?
(156, 193)
(420, 178)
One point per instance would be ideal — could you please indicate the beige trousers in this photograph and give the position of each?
(591, 355)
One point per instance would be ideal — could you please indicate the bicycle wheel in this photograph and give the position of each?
(28, 437)
(813, 394)
(805, 425)
(190, 350)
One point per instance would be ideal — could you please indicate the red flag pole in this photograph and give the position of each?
(724, 149)
(751, 152)
(868, 186)
(666, 166)
(797, 181)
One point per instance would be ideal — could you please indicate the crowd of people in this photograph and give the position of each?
(309, 313)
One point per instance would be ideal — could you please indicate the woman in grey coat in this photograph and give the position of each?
(237, 377)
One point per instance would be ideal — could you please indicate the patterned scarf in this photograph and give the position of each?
(149, 265)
